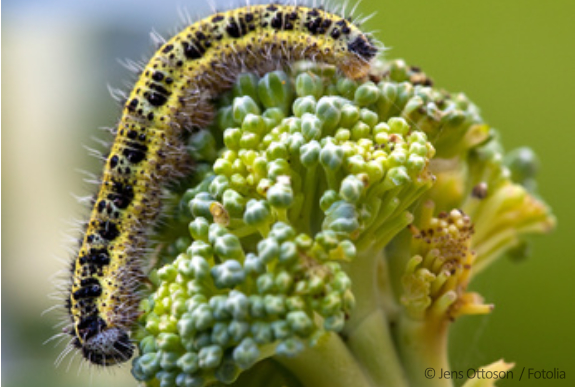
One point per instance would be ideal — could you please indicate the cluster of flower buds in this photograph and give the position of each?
(301, 182)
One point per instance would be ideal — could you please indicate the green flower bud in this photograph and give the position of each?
(166, 378)
(282, 232)
(250, 140)
(309, 154)
(228, 246)
(186, 326)
(369, 117)
(309, 85)
(265, 284)
(273, 117)
(246, 354)
(290, 347)
(328, 111)
(416, 163)
(238, 305)
(148, 365)
(232, 137)
(168, 342)
(233, 203)
(331, 304)
(242, 107)
(303, 106)
(199, 228)
(351, 189)
(257, 212)
(238, 330)
(200, 267)
(148, 345)
(331, 156)
(278, 168)
(386, 100)
(283, 282)
(253, 264)
(398, 125)
(215, 231)
(327, 199)
(280, 195)
(195, 287)
(300, 323)
(202, 146)
(327, 238)
(152, 323)
(360, 130)
(268, 250)
(246, 85)
(334, 323)
(281, 329)
(275, 90)
(311, 127)
(220, 334)
(210, 356)
(346, 87)
(228, 274)
(193, 302)
(203, 317)
(294, 303)
(225, 118)
(167, 273)
(223, 167)
(168, 360)
(218, 305)
(347, 253)
(189, 362)
(276, 150)
(218, 186)
(200, 248)
(366, 94)
(187, 380)
(254, 124)
(274, 304)
(201, 340)
(262, 332)
(200, 205)
(341, 217)
(398, 176)
(288, 252)
(350, 115)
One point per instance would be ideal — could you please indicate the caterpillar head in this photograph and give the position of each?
(360, 52)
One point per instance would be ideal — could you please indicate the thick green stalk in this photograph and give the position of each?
(362, 272)
(328, 364)
(372, 345)
(367, 328)
(423, 349)
(310, 188)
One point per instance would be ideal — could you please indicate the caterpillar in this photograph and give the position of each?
(171, 97)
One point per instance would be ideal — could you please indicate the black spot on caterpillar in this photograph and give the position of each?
(172, 96)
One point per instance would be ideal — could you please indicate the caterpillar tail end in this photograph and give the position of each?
(108, 347)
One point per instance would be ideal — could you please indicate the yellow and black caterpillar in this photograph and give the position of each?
(173, 95)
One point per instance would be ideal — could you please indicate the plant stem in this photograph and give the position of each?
(372, 345)
(423, 345)
(328, 364)
(362, 273)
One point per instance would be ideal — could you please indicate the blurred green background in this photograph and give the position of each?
(515, 59)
